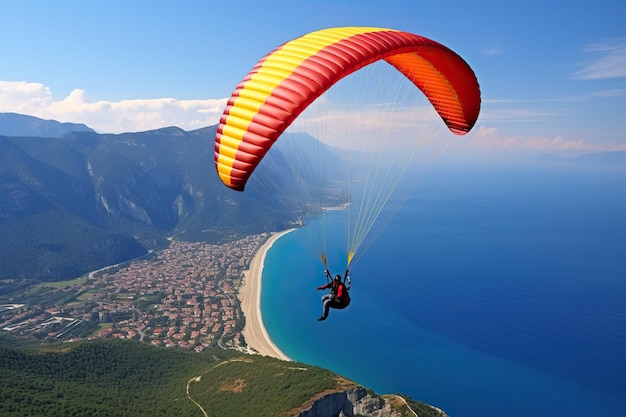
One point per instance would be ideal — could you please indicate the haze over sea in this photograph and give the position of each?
(499, 290)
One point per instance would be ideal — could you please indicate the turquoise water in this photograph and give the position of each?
(498, 290)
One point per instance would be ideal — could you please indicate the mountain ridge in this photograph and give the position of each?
(91, 199)
(15, 124)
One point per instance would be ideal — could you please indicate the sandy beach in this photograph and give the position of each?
(250, 296)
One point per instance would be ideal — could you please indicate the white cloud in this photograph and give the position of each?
(610, 62)
(22, 96)
(491, 51)
(517, 114)
(146, 114)
(616, 92)
(491, 139)
(35, 99)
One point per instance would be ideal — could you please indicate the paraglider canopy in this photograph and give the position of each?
(284, 82)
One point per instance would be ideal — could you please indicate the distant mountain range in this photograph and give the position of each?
(599, 158)
(75, 200)
(14, 124)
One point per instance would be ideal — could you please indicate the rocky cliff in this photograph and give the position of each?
(358, 402)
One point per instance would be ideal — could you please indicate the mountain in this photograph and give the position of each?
(14, 124)
(85, 200)
(604, 158)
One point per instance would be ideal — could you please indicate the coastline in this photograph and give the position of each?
(249, 294)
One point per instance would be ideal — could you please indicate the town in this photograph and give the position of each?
(184, 296)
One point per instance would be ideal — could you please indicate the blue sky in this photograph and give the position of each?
(552, 74)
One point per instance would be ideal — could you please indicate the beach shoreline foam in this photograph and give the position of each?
(257, 339)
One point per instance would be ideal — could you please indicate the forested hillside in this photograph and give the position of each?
(123, 378)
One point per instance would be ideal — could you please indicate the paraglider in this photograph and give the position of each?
(339, 297)
(285, 82)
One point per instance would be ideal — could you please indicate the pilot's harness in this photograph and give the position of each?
(329, 277)
(346, 278)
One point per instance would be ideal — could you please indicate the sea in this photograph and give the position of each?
(498, 290)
